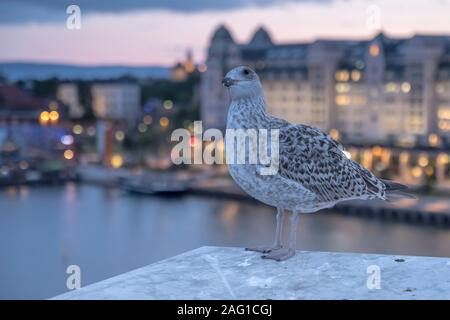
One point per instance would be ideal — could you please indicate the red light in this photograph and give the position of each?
(192, 141)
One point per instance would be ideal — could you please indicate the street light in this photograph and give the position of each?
(54, 116)
(116, 161)
(68, 154)
(164, 122)
(44, 117)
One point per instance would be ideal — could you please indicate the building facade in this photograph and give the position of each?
(374, 90)
(182, 70)
(116, 101)
(69, 95)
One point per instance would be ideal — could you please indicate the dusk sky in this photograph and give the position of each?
(139, 32)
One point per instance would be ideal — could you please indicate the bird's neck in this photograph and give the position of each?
(251, 105)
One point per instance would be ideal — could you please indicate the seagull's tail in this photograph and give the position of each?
(395, 190)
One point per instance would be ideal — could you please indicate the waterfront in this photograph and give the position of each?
(107, 232)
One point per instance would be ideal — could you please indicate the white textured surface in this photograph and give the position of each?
(233, 273)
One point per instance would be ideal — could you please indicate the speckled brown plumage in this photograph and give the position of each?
(308, 157)
(313, 170)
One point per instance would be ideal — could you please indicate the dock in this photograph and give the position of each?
(233, 273)
(425, 210)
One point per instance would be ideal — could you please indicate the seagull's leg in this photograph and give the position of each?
(278, 235)
(286, 253)
(279, 228)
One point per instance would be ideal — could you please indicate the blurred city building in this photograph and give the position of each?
(34, 144)
(114, 103)
(69, 95)
(379, 90)
(18, 104)
(182, 70)
(117, 101)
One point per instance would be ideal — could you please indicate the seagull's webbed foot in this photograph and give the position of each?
(280, 254)
(263, 249)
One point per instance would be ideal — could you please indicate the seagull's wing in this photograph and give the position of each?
(316, 161)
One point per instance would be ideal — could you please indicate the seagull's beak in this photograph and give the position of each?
(227, 82)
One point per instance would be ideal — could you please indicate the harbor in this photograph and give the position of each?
(423, 210)
(144, 159)
(433, 210)
(107, 231)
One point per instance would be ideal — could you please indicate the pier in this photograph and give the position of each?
(425, 210)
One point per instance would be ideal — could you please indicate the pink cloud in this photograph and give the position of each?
(162, 37)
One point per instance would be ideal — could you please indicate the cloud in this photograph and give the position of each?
(42, 11)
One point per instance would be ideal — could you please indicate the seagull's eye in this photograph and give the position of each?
(246, 72)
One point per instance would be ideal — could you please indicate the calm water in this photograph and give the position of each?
(106, 232)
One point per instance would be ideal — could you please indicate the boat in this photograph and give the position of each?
(167, 187)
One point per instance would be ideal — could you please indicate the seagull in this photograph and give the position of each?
(314, 171)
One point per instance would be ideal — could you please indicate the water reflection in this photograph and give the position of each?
(107, 232)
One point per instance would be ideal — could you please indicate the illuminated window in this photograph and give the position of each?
(334, 133)
(342, 75)
(406, 87)
(342, 87)
(416, 172)
(356, 75)
(416, 120)
(391, 87)
(444, 113)
(433, 140)
(374, 50)
(444, 125)
(423, 160)
(404, 157)
(342, 100)
(429, 171)
(443, 158)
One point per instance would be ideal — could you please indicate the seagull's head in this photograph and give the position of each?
(242, 82)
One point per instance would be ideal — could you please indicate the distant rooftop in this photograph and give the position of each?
(261, 45)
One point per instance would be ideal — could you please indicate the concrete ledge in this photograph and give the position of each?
(233, 273)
